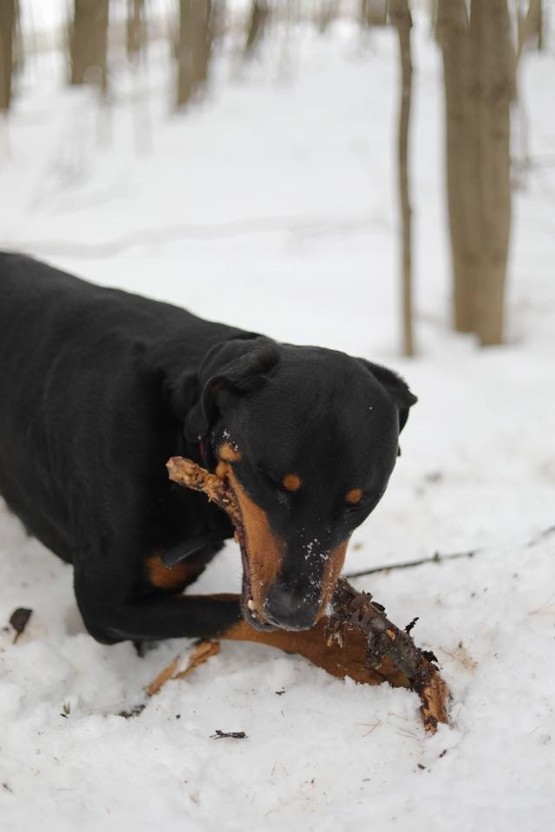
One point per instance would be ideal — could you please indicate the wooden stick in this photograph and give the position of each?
(356, 639)
(203, 651)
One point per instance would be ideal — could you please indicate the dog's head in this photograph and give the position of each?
(307, 439)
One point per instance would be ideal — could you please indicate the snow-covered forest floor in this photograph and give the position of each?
(272, 206)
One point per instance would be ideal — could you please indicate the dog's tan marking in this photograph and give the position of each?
(222, 470)
(332, 571)
(354, 496)
(264, 548)
(228, 453)
(174, 578)
(291, 482)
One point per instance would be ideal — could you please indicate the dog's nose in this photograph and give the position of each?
(290, 610)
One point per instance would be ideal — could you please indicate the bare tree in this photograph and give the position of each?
(18, 43)
(373, 12)
(479, 63)
(452, 30)
(529, 27)
(493, 61)
(8, 12)
(260, 11)
(535, 23)
(88, 40)
(401, 18)
(326, 14)
(135, 28)
(194, 48)
(529, 30)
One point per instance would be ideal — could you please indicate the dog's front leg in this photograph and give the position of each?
(162, 616)
(158, 616)
(342, 652)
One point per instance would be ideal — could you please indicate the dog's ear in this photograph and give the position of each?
(233, 367)
(396, 387)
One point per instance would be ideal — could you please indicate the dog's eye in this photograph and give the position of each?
(270, 479)
(275, 483)
(355, 509)
(365, 504)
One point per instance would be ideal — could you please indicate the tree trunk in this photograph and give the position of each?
(535, 22)
(18, 45)
(89, 43)
(374, 12)
(257, 23)
(326, 14)
(135, 29)
(7, 34)
(401, 19)
(493, 61)
(194, 48)
(479, 65)
(452, 29)
(529, 27)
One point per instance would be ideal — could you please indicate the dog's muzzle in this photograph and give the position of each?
(290, 610)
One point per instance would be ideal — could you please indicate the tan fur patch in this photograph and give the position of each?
(175, 578)
(354, 496)
(265, 549)
(222, 470)
(331, 574)
(228, 453)
(291, 482)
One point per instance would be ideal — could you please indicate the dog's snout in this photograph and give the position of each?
(290, 609)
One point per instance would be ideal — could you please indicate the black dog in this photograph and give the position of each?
(98, 388)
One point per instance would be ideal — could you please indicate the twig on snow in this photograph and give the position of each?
(435, 558)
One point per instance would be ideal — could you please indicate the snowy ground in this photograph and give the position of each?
(272, 207)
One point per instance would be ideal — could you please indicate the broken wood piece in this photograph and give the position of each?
(203, 651)
(19, 620)
(355, 640)
(228, 735)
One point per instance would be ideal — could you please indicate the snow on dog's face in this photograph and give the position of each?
(307, 439)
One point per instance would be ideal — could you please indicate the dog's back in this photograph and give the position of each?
(82, 376)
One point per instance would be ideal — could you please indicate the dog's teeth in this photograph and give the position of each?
(252, 609)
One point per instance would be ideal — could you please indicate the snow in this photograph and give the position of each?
(272, 206)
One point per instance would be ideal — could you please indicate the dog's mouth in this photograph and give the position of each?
(252, 601)
(261, 613)
(267, 602)
(249, 610)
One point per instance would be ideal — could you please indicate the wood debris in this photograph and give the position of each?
(19, 620)
(203, 651)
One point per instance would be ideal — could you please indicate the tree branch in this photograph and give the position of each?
(435, 558)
